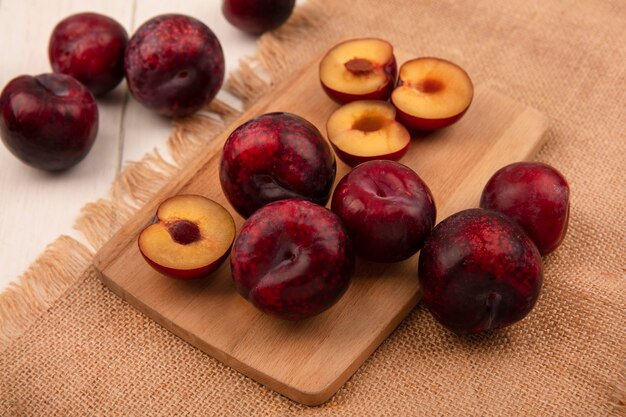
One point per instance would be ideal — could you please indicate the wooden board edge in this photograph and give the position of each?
(536, 121)
(306, 396)
(321, 396)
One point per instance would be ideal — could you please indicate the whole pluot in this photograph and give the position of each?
(479, 271)
(273, 157)
(257, 16)
(536, 197)
(49, 121)
(292, 259)
(89, 47)
(174, 64)
(387, 208)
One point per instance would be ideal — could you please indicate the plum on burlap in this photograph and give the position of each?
(71, 347)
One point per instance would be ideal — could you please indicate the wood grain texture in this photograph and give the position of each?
(308, 361)
(37, 206)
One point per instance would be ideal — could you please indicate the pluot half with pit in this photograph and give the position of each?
(190, 237)
(359, 69)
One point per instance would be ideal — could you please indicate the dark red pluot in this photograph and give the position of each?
(536, 197)
(89, 47)
(257, 16)
(273, 157)
(49, 121)
(174, 64)
(292, 259)
(387, 208)
(479, 271)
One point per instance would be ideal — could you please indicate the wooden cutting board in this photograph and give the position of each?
(308, 361)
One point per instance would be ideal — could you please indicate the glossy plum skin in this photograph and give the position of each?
(273, 157)
(536, 196)
(49, 122)
(420, 124)
(174, 64)
(292, 259)
(89, 47)
(387, 209)
(257, 16)
(479, 271)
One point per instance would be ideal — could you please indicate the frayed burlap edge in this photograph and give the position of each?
(64, 262)
(44, 281)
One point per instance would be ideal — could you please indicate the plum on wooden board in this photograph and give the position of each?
(89, 47)
(432, 93)
(49, 121)
(190, 237)
(292, 259)
(257, 16)
(174, 64)
(536, 197)
(367, 130)
(479, 271)
(359, 69)
(387, 208)
(273, 157)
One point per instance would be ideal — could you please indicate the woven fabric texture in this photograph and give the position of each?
(93, 354)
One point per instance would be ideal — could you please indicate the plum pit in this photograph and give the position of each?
(359, 66)
(184, 231)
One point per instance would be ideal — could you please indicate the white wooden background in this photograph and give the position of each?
(36, 207)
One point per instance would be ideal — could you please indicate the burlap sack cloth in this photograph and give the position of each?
(71, 347)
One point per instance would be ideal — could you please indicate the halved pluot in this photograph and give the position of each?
(366, 130)
(432, 93)
(190, 238)
(359, 69)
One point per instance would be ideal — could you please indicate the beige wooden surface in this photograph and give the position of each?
(36, 207)
(309, 360)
